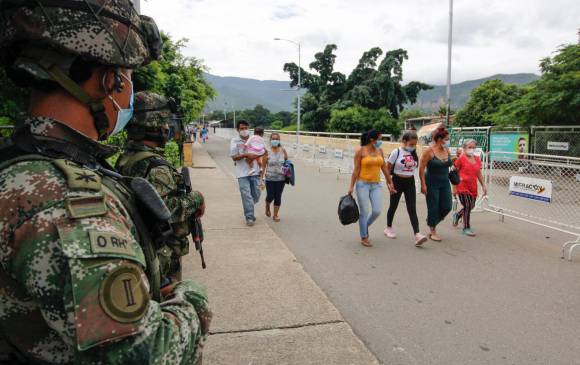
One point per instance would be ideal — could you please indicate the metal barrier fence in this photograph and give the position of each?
(559, 140)
(538, 189)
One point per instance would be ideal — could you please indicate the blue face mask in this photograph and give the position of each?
(409, 149)
(123, 115)
(378, 144)
(275, 143)
(447, 144)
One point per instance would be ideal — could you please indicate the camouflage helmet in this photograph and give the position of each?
(107, 32)
(41, 40)
(151, 115)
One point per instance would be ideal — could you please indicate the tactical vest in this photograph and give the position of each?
(11, 153)
(126, 162)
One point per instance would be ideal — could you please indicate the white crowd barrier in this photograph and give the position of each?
(539, 189)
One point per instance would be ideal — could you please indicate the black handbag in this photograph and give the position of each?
(348, 212)
(454, 176)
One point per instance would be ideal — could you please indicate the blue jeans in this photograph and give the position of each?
(250, 192)
(368, 193)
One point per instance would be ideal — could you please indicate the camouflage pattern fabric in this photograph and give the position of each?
(166, 181)
(109, 32)
(151, 111)
(73, 287)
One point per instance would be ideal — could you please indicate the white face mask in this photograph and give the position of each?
(244, 133)
(470, 151)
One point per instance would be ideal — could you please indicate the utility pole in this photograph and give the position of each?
(137, 5)
(299, 111)
(299, 96)
(449, 49)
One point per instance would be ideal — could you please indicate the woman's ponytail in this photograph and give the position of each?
(364, 139)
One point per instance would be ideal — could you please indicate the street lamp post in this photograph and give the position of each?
(449, 49)
(299, 111)
(137, 5)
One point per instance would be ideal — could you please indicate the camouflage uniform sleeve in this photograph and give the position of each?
(70, 280)
(182, 208)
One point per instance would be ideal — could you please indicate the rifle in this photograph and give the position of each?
(194, 223)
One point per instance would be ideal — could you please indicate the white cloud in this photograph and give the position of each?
(235, 38)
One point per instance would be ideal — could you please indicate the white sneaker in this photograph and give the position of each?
(390, 232)
(420, 239)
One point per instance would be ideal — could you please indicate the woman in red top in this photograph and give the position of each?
(469, 168)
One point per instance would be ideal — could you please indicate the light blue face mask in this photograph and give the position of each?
(275, 143)
(447, 144)
(409, 149)
(124, 115)
(378, 144)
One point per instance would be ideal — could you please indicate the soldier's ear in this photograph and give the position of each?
(111, 81)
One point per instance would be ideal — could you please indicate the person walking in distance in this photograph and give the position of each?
(80, 278)
(434, 173)
(248, 175)
(274, 176)
(469, 168)
(402, 165)
(369, 161)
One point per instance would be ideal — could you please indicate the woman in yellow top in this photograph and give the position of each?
(369, 161)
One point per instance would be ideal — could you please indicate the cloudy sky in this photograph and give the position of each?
(235, 37)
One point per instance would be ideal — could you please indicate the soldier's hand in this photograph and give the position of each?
(200, 211)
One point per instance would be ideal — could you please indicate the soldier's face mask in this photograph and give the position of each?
(123, 115)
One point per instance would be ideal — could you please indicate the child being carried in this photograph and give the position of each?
(255, 148)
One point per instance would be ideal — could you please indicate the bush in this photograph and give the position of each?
(290, 128)
(277, 125)
(172, 154)
(357, 119)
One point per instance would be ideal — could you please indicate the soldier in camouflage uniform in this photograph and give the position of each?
(79, 278)
(143, 157)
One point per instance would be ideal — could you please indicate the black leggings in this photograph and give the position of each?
(407, 187)
(468, 202)
(274, 191)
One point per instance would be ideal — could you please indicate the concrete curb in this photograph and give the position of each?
(267, 309)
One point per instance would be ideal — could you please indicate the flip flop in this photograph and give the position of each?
(276, 219)
(268, 213)
(435, 238)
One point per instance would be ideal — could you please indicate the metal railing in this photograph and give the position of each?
(540, 189)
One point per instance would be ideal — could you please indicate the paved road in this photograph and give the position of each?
(504, 297)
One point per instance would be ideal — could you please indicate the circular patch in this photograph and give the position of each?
(123, 294)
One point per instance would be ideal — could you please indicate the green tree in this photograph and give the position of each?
(358, 119)
(372, 84)
(410, 113)
(554, 99)
(484, 101)
(277, 125)
(13, 100)
(284, 117)
(178, 77)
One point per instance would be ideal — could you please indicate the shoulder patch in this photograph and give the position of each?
(78, 177)
(123, 294)
(83, 207)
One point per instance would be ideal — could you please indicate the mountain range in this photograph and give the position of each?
(242, 93)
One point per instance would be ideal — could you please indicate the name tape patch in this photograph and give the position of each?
(106, 242)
